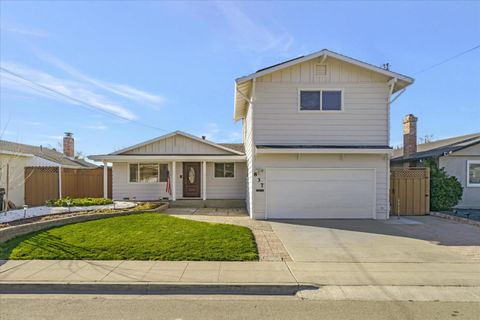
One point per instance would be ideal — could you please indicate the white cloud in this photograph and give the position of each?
(96, 127)
(212, 131)
(24, 31)
(122, 90)
(251, 35)
(43, 82)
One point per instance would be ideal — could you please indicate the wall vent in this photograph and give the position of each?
(320, 69)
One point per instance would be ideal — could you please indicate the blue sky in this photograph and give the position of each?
(172, 65)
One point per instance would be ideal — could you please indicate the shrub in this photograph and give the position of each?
(445, 191)
(78, 202)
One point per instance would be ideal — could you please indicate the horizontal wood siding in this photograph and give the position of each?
(216, 188)
(377, 162)
(363, 121)
(177, 144)
(227, 188)
(140, 191)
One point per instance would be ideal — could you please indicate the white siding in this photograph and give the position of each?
(376, 162)
(227, 188)
(216, 188)
(177, 144)
(140, 191)
(363, 121)
(16, 173)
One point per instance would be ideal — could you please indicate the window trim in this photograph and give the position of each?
(471, 185)
(224, 178)
(342, 104)
(138, 172)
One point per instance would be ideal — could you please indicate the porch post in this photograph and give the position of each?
(105, 180)
(204, 180)
(174, 180)
(59, 182)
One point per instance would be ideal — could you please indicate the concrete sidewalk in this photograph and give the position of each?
(292, 273)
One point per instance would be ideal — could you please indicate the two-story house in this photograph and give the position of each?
(315, 145)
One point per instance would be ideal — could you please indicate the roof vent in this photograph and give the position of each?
(204, 137)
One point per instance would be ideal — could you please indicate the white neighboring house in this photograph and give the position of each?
(14, 157)
(316, 145)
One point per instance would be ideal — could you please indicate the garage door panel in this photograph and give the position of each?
(320, 193)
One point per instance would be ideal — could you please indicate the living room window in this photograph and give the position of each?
(224, 170)
(148, 172)
(473, 173)
(321, 100)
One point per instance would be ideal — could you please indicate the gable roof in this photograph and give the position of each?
(243, 86)
(44, 153)
(224, 147)
(438, 148)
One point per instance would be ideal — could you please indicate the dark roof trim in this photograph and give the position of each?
(434, 153)
(266, 146)
(278, 64)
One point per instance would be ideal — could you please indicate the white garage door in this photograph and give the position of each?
(320, 193)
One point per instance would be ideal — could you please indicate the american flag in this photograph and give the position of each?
(168, 188)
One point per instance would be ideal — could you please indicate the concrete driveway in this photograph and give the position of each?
(412, 239)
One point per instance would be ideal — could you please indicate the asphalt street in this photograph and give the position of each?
(105, 307)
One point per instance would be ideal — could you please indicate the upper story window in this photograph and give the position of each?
(148, 172)
(473, 173)
(224, 170)
(321, 100)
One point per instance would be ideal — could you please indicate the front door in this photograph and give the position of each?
(191, 179)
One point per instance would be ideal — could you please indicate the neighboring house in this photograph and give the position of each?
(316, 136)
(197, 168)
(14, 157)
(459, 156)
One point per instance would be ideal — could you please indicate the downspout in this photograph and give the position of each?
(387, 158)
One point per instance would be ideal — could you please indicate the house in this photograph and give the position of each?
(316, 145)
(198, 169)
(15, 157)
(459, 156)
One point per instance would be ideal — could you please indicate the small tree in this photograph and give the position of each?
(445, 191)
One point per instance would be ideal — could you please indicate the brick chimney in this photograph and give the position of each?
(409, 135)
(68, 145)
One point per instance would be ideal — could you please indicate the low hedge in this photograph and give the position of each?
(78, 202)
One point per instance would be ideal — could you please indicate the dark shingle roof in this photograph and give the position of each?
(438, 148)
(234, 146)
(44, 153)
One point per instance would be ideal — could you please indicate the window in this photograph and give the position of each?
(224, 170)
(148, 172)
(473, 173)
(324, 100)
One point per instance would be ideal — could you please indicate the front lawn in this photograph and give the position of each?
(146, 236)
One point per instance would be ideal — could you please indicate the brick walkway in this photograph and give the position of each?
(270, 248)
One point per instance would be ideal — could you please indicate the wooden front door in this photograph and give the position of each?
(191, 179)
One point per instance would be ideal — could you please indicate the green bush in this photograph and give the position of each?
(78, 202)
(445, 191)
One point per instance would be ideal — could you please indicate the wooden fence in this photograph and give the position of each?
(42, 183)
(409, 191)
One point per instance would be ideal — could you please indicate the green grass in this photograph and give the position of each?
(78, 202)
(146, 236)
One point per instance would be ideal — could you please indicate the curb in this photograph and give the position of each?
(151, 288)
(455, 218)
